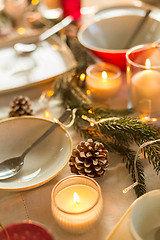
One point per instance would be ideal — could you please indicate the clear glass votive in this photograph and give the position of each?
(143, 77)
(76, 203)
(103, 80)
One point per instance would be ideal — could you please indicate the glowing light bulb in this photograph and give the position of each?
(49, 93)
(92, 124)
(88, 92)
(47, 114)
(90, 111)
(82, 76)
(76, 199)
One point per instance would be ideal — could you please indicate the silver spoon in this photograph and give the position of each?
(22, 48)
(12, 166)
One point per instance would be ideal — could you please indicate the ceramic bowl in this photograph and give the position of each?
(112, 30)
(145, 217)
(44, 161)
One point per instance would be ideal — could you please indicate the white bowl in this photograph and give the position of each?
(145, 217)
(113, 28)
(44, 161)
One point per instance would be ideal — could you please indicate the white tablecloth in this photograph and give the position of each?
(35, 204)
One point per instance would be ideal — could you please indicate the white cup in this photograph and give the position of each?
(145, 217)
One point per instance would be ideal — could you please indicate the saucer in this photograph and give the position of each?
(44, 161)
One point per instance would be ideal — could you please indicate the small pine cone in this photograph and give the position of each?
(89, 158)
(20, 106)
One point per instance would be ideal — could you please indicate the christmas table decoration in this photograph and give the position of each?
(89, 158)
(20, 106)
(76, 203)
(116, 129)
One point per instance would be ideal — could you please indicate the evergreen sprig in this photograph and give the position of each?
(117, 133)
(120, 131)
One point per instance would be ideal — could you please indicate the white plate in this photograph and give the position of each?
(50, 59)
(44, 161)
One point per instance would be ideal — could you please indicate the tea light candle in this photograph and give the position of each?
(76, 203)
(103, 80)
(146, 90)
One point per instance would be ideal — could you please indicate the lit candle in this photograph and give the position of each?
(146, 90)
(76, 203)
(103, 80)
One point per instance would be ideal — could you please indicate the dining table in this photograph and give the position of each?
(35, 204)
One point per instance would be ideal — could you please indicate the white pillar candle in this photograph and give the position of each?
(103, 80)
(76, 203)
(146, 91)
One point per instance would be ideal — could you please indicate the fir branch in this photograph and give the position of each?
(117, 134)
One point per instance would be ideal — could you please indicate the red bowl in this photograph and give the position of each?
(113, 28)
(24, 231)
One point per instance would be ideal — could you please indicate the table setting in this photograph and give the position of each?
(79, 120)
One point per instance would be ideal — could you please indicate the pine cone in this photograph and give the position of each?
(20, 106)
(89, 158)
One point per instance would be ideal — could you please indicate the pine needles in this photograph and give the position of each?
(116, 129)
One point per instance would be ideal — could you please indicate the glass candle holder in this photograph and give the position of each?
(143, 77)
(103, 80)
(76, 203)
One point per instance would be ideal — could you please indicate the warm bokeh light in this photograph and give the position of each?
(35, 2)
(82, 76)
(147, 119)
(54, 47)
(83, 117)
(21, 30)
(92, 124)
(49, 93)
(125, 190)
(76, 198)
(148, 63)
(128, 68)
(47, 114)
(154, 119)
(88, 92)
(90, 111)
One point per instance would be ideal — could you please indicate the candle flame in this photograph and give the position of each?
(104, 75)
(76, 198)
(148, 63)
